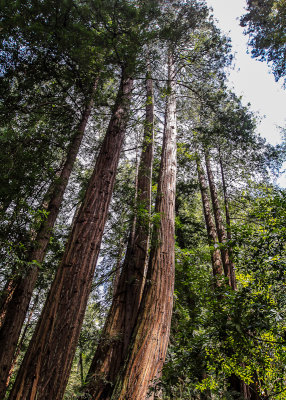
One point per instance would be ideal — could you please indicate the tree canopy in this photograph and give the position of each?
(142, 231)
(265, 25)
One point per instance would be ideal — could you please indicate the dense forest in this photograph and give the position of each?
(142, 230)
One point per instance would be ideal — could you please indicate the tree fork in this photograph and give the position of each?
(16, 306)
(46, 366)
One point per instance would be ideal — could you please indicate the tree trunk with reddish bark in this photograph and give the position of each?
(5, 298)
(211, 230)
(115, 338)
(147, 351)
(45, 369)
(22, 339)
(221, 232)
(15, 307)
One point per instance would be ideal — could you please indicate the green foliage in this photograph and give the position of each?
(219, 333)
(265, 25)
(51, 53)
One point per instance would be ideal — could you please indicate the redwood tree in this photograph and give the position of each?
(115, 337)
(149, 344)
(18, 297)
(221, 232)
(46, 366)
(211, 229)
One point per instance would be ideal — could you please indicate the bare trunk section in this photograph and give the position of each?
(116, 271)
(22, 339)
(228, 227)
(211, 230)
(225, 198)
(46, 366)
(150, 339)
(6, 297)
(217, 265)
(135, 274)
(80, 367)
(112, 348)
(236, 383)
(221, 232)
(16, 307)
(249, 391)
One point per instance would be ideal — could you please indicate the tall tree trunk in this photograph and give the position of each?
(117, 270)
(80, 367)
(46, 366)
(5, 298)
(147, 352)
(228, 227)
(235, 382)
(22, 339)
(112, 348)
(217, 265)
(211, 230)
(221, 232)
(15, 307)
(225, 197)
(249, 391)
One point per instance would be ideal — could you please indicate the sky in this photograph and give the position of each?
(250, 78)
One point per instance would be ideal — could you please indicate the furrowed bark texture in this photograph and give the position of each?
(221, 232)
(5, 298)
(46, 366)
(151, 335)
(22, 338)
(112, 348)
(17, 305)
(211, 230)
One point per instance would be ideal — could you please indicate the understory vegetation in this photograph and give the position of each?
(142, 229)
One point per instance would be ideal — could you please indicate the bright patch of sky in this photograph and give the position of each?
(251, 78)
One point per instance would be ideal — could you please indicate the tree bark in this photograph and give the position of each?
(235, 383)
(46, 366)
(5, 298)
(112, 348)
(22, 339)
(228, 228)
(221, 232)
(117, 270)
(147, 351)
(15, 307)
(211, 230)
